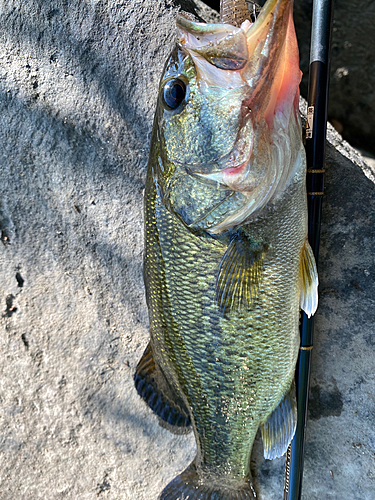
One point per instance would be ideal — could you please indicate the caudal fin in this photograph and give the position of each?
(189, 485)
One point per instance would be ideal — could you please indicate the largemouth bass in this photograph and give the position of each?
(227, 262)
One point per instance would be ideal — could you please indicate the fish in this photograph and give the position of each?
(227, 263)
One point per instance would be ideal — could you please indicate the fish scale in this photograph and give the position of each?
(265, 340)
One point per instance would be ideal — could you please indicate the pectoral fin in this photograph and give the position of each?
(239, 275)
(308, 281)
(279, 429)
(156, 391)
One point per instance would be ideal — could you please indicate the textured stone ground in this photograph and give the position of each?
(78, 86)
(352, 66)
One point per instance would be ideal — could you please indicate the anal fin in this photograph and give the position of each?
(154, 389)
(239, 275)
(308, 281)
(280, 427)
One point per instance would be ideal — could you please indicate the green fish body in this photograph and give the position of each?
(227, 263)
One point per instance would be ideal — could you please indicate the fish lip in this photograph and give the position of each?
(217, 176)
(197, 170)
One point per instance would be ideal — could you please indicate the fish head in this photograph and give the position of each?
(227, 120)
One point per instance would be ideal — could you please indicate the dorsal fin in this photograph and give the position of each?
(239, 275)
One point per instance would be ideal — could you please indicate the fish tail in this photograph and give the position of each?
(190, 486)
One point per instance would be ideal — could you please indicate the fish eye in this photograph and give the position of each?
(174, 93)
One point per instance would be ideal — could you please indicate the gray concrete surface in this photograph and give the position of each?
(78, 87)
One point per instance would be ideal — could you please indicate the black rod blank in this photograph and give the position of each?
(316, 129)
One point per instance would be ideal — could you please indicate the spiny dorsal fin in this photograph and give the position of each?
(280, 427)
(234, 12)
(239, 275)
(308, 281)
(155, 390)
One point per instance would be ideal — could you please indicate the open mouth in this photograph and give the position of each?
(240, 45)
(257, 57)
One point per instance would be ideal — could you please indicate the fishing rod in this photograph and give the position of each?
(316, 128)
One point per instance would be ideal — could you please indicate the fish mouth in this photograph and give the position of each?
(231, 44)
(260, 58)
(251, 55)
